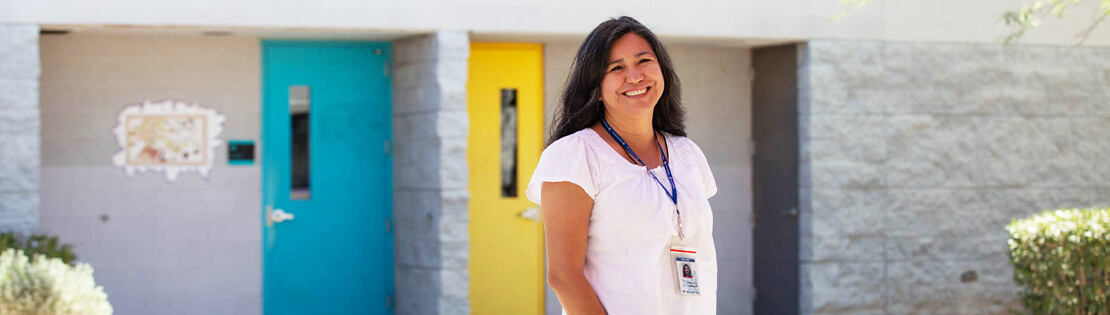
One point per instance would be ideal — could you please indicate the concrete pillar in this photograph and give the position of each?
(431, 195)
(19, 128)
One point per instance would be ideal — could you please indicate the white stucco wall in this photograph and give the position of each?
(716, 89)
(735, 20)
(190, 247)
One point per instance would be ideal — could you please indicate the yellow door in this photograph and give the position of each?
(505, 96)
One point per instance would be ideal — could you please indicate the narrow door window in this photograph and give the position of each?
(508, 142)
(299, 107)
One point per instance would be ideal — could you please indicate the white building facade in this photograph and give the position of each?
(865, 166)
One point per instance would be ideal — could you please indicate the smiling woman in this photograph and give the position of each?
(581, 105)
(624, 192)
(633, 71)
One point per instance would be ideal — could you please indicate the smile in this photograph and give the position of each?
(637, 92)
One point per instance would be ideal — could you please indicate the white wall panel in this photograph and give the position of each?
(187, 247)
(897, 20)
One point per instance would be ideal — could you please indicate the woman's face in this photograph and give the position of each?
(633, 80)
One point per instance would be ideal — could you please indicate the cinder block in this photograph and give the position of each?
(416, 127)
(417, 290)
(19, 164)
(459, 305)
(415, 99)
(456, 254)
(853, 149)
(846, 249)
(19, 52)
(454, 123)
(416, 176)
(455, 283)
(848, 222)
(18, 94)
(20, 206)
(417, 74)
(846, 175)
(414, 48)
(453, 96)
(454, 169)
(452, 72)
(453, 44)
(416, 252)
(411, 154)
(839, 127)
(846, 52)
(844, 287)
(456, 205)
(415, 214)
(453, 228)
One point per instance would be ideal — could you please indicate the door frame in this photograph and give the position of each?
(523, 153)
(775, 187)
(386, 48)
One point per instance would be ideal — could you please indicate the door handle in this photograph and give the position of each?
(276, 216)
(792, 213)
(532, 214)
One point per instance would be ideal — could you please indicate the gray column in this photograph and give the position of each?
(431, 195)
(19, 128)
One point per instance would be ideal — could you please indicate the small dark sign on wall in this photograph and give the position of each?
(240, 152)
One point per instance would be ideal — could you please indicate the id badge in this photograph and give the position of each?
(684, 259)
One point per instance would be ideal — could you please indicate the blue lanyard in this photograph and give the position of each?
(673, 193)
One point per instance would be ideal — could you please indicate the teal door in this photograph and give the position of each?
(327, 180)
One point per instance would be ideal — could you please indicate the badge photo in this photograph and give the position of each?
(685, 268)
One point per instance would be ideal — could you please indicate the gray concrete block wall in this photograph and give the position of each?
(915, 156)
(188, 247)
(431, 174)
(19, 128)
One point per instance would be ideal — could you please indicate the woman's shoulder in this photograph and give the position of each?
(576, 137)
(568, 142)
(585, 141)
(685, 149)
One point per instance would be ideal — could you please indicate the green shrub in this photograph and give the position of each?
(38, 244)
(48, 286)
(1063, 259)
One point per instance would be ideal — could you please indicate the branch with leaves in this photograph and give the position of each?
(1032, 15)
(856, 4)
(1023, 19)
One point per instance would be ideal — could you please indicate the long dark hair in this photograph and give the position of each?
(580, 106)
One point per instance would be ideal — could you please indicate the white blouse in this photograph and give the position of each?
(627, 250)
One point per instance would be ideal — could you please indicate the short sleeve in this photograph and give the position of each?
(565, 160)
(708, 181)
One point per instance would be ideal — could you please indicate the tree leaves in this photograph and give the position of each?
(1025, 18)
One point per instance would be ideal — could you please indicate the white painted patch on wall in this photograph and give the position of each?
(171, 137)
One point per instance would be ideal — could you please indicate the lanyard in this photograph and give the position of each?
(673, 193)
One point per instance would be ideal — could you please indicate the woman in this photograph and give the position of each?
(620, 185)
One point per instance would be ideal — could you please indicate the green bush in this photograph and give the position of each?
(38, 244)
(1063, 259)
(48, 286)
